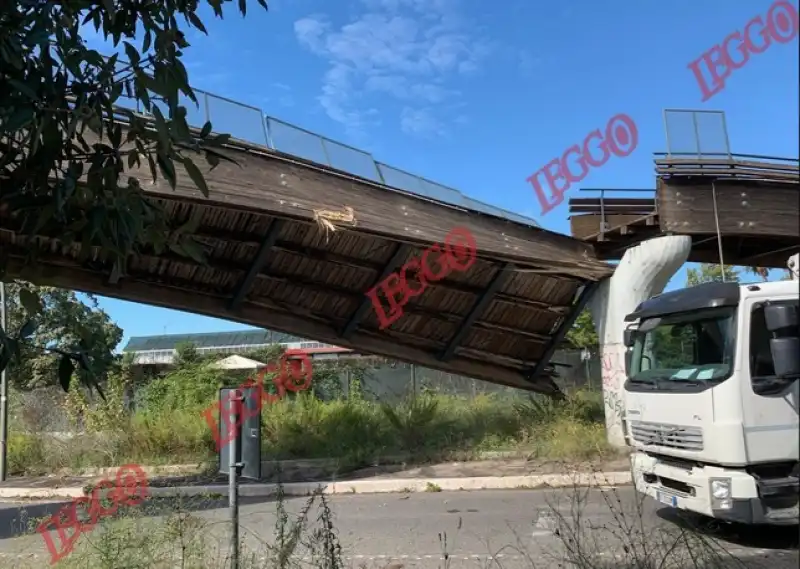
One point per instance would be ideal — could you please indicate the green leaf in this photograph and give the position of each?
(65, 368)
(221, 139)
(30, 301)
(196, 22)
(24, 89)
(212, 159)
(20, 119)
(193, 250)
(167, 170)
(196, 175)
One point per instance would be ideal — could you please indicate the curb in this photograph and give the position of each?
(389, 485)
(287, 464)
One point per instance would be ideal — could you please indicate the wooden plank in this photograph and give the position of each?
(399, 256)
(727, 162)
(279, 186)
(731, 173)
(271, 317)
(688, 209)
(270, 184)
(612, 201)
(480, 306)
(259, 262)
(588, 226)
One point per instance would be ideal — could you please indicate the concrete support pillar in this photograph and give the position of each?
(793, 264)
(644, 271)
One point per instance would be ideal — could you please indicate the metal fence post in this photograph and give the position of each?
(267, 133)
(725, 134)
(666, 131)
(696, 134)
(325, 151)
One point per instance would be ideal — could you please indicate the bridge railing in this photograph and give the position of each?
(638, 202)
(251, 124)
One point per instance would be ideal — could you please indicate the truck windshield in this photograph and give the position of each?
(693, 348)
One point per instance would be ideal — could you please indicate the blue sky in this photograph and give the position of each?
(480, 95)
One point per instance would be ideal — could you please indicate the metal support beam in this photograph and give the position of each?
(477, 310)
(262, 256)
(400, 255)
(559, 336)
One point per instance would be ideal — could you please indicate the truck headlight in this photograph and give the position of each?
(721, 489)
(721, 494)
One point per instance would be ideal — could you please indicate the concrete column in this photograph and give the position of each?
(793, 264)
(644, 271)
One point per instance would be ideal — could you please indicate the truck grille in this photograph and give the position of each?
(664, 435)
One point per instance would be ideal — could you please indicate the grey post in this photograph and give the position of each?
(3, 394)
(233, 474)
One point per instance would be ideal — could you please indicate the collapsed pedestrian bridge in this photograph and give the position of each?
(293, 245)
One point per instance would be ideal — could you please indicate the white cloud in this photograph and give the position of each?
(421, 122)
(408, 50)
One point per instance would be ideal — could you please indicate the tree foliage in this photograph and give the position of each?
(67, 147)
(708, 272)
(64, 325)
(583, 334)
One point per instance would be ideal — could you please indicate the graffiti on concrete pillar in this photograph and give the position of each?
(615, 408)
(612, 370)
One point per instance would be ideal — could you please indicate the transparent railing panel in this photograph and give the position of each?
(250, 124)
(696, 133)
(712, 135)
(400, 179)
(349, 159)
(442, 193)
(240, 121)
(296, 141)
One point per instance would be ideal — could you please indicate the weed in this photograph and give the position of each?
(355, 431)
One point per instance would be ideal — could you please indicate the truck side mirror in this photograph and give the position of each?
(628, 359)
(786, 357)
(782, 321)
(781, 318)
(629, 337)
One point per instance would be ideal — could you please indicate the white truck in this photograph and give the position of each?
(711, 400)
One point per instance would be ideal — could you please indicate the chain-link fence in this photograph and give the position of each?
(44, 410)
(392, 382)
(39, 411)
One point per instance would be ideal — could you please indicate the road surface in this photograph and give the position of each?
(513, 529)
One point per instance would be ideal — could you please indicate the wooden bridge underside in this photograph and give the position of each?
(757, 211)
(270, 264)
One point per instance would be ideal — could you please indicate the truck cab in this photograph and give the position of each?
(712, 398)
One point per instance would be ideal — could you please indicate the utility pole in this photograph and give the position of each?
(3, 394)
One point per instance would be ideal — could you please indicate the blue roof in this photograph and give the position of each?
(252, 337)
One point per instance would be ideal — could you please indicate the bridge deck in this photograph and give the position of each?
(757, 208)
(270, 263)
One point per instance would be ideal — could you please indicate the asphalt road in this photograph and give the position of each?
(514, 529)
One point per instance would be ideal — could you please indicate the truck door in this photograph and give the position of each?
(770, 417)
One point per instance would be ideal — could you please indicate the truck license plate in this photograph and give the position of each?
(667, 499)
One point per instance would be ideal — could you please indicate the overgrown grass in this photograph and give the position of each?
(355, 430)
